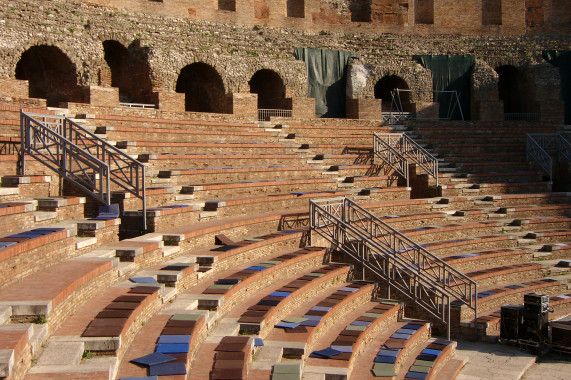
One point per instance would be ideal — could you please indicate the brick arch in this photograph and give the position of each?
(270, 88)
(130, 71)
(51, 74)
(384, 89)
(416, 77)
(204, 88)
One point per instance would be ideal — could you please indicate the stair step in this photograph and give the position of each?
(83, 242)
(59, 353)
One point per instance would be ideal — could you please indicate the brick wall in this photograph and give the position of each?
(245, 105)
(14, 88)
(103, 96)
(370, 109)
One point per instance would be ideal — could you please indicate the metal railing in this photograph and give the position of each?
(521, 116)
(396, 117)
(80, 156)
(403, 264)
(266, 114)
(408, 149)
(540, 147)
(138, 105)
(391, 156)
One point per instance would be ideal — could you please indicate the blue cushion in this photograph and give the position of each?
(153, 359)
(168, 369)
(287, 325)
(173, 348)
(140, 378)
(400, 336)
(310, 323)
(385, 359)
(406, 331)
(279, 294)
(268, 303)
(227, 281)
(325, 353)
(143, 280)
(389, 352)
(343, 348)
(259, 269)
(258, 342)
(174, 339)
(416, 375)
(410, 326)
(429, 351)
(360, 323)
(350, 290)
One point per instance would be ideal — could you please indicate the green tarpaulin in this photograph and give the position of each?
(562, 60)
(450, 73)
(326, 78)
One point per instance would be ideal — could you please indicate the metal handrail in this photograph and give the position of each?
(401, 262)
(536, 149)
(67, 148)
(410, 149)
(138, 105)
(564, 147)
(265, 114)
(391, 156)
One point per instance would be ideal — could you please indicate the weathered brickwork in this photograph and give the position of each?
(169, 36)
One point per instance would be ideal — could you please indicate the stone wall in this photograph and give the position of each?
(237, 50)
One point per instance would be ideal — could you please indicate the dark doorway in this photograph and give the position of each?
(270, 89)
(511, 88)
(51, 75)
(384, 88)
(203, 87)
(129, 72)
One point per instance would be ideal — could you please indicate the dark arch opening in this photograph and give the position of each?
(384, 88)
(51, 75)
(270, 89)
(203, 87)
(511, 88)
(360, 10)
(129, 72)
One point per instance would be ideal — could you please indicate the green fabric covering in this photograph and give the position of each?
(372, 315)
(450, 73)
(562, 60)
(326, 79)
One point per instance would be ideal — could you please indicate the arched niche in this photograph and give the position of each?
(129, 72)
(511, 89)
(270, 89)
(51, 75)
(384, 89)
(203, 87)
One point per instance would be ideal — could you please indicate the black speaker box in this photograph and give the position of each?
(511, 326)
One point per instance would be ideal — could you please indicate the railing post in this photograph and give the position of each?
(23, 140)
(144, 198)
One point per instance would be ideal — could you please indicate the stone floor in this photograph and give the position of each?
(498, 361)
